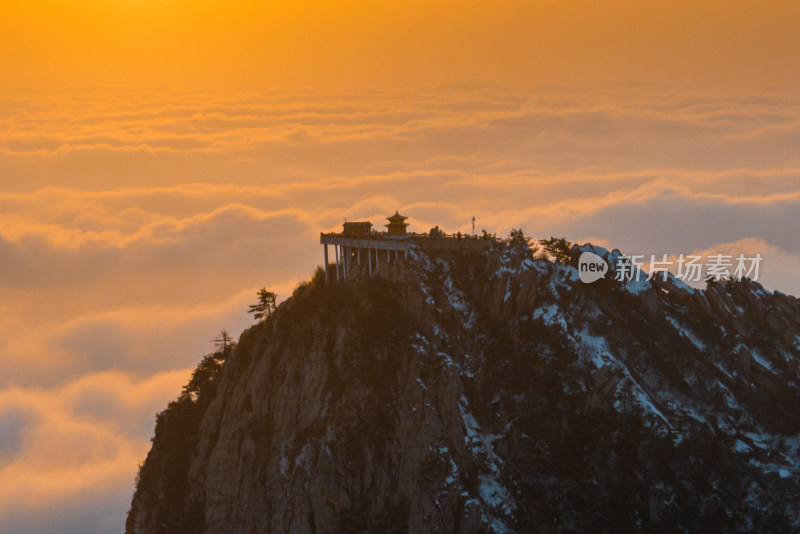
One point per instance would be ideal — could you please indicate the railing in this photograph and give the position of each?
(411, 235)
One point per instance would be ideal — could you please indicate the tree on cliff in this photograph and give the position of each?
(265, 305)
(223, 342)
(557, 247)
(520, 243)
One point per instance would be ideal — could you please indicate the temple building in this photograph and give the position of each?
(361, 250)
(360, 229)
(397, 224)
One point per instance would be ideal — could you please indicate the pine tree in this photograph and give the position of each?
(558, 247)
(265, 305)
(223, 342)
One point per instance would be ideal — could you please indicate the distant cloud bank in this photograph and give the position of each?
(134, 227)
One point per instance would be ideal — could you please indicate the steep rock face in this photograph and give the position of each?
(491, 392)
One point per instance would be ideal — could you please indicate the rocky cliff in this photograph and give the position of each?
(491, 392)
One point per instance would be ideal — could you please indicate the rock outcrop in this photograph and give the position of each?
(490, 392)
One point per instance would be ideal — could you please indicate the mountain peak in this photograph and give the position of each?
(490, 390)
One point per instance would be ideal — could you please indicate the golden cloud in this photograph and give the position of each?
(133, 227)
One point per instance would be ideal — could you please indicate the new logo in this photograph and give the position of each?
(591, 267)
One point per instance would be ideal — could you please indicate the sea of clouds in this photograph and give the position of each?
(135, 225)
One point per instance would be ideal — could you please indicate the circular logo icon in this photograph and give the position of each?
(591, 267)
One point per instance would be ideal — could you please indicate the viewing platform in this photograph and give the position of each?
(359, 244)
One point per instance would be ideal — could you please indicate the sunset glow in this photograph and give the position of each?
(160, 160)
(360, 44)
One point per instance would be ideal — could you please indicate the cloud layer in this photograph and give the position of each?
(133, 226)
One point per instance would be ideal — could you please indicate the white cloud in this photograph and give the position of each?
(133, 229)
(73, 449)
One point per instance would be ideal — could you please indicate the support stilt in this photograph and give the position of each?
(336, 248)
(325, 248)
(347, 255)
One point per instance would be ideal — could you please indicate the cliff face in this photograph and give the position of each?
(489, 393)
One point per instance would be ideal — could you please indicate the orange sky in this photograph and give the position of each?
(160, 160)
(357, 43)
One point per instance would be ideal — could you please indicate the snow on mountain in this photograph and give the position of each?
(491, 391)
